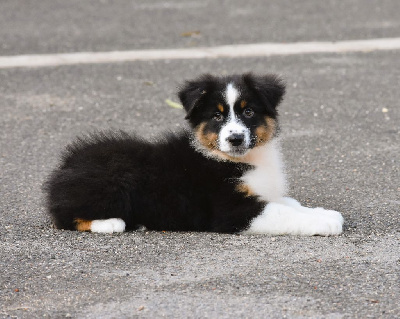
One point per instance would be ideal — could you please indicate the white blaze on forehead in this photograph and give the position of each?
(233, 125)
(231, 95)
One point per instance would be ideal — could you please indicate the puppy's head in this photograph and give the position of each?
(234, 114)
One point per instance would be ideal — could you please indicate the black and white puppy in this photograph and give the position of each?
(224, 175)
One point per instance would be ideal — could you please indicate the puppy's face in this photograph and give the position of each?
(232, 115)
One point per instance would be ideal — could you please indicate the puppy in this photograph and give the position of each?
(224, 175)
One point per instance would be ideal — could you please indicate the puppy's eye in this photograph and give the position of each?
(248, 112)
(218, 116)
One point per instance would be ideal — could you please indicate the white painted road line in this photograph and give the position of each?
(226, 51)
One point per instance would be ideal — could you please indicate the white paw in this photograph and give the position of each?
(330, 213)
(112, 225)
(322, 224)
(319, 213)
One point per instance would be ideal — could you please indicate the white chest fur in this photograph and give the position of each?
(267, 179)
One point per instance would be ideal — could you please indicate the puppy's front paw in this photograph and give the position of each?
(324, 223)
(330, 213)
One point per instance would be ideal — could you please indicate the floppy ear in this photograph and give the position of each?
(269, 88)
(193, 92)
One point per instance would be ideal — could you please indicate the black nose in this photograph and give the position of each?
(235, 139)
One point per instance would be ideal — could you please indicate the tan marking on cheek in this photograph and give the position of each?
(265, 132)
(209, 140)
(245, 189)
(243, 104)
(83, 224)
(220, 107)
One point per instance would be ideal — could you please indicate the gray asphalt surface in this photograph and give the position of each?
(341, 140)
(50, 26)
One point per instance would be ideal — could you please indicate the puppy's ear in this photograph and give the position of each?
(193, 92)
(269, 88)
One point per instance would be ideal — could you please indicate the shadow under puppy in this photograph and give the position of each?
(224, 175)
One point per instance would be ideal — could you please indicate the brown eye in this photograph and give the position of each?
(218, 116)
(248, 112)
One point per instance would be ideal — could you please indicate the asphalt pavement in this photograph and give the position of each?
(340, 136)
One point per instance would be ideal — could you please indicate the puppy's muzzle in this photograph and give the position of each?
(236, 139)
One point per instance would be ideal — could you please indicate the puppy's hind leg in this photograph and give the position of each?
(86, 203)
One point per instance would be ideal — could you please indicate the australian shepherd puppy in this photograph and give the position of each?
(224, 175)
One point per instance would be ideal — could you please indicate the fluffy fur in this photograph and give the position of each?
(224, 175)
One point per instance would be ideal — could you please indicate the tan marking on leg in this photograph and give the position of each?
(83, 224)
(243, 104)
(209, 140)
(265, 132)
(245, 189)
(220, 107)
